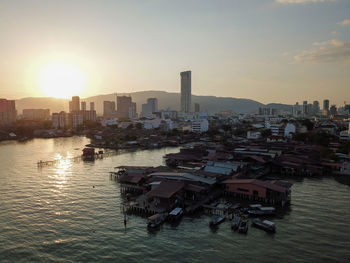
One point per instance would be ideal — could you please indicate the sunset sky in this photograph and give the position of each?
(267, 50)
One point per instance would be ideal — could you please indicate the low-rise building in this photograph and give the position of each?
(200, 125)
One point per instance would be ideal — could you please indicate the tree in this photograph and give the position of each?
(139, 126)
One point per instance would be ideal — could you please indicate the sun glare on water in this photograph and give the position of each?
(61, 79)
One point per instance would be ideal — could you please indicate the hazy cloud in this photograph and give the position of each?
(302, 1)
(345, 22)
(328, 51)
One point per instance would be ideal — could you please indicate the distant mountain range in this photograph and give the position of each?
(210, 104)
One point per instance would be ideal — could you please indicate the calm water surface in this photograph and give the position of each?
(54, 214)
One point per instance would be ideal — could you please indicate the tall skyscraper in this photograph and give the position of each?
(316, 107)
(8, 112)
(149, 107)
(92, 106)
(333, 110)
(304, 109)
(196, 107)
(108, 109)
(326, 105)
(153, 102)
(124, 103)
(83, 105)
(186, 91)
(74, 105)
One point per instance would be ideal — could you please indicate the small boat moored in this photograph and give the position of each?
(175, 214)
(216, 220)
(156, 220)
(235, 222)
(243, 226)
(264, 225)
(262, 210)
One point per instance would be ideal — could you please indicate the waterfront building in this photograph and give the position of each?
(8, 113)
(36, 114)
(109, 109)
(60, 120)
(254, 189)
(77, 119)
(186, 91)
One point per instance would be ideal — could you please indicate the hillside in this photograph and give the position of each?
(210, 104)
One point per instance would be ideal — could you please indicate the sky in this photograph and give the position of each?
(280, 51)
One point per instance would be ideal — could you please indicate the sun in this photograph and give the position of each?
(61, 79)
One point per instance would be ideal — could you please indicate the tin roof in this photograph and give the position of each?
(274, 187)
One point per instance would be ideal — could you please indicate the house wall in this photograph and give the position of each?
(250, 188)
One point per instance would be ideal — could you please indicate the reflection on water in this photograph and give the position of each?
(71, 212)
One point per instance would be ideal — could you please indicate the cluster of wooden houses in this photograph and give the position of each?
(196, 176)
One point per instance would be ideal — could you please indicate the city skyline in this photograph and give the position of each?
(268, 51)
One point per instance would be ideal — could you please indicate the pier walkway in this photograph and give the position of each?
(79, 158)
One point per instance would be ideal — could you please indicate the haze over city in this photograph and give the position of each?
(174, 131)
(270, 51)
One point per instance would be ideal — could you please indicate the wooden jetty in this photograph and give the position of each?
(98, 155)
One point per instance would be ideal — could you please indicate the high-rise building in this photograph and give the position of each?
(309, 110)
(36, 114)
(74, 105)
(186, 91)
(133, 111)
(92, 105)
(108, 109)
(316, 107)
(196, 107)
(124, 103)
(60, 120)
(326, 105)
(304, 109)
(150, 107)
(333, 110)
(83, 105)
(153, 102)
(8, 113)
(296, 111)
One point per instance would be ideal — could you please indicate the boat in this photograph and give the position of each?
(156, 220)
(255, 206)
(216, 220)
(235, 222)
(175, 214)
(235, 206)
(263, 210)
(266, 225)
(243, 226)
